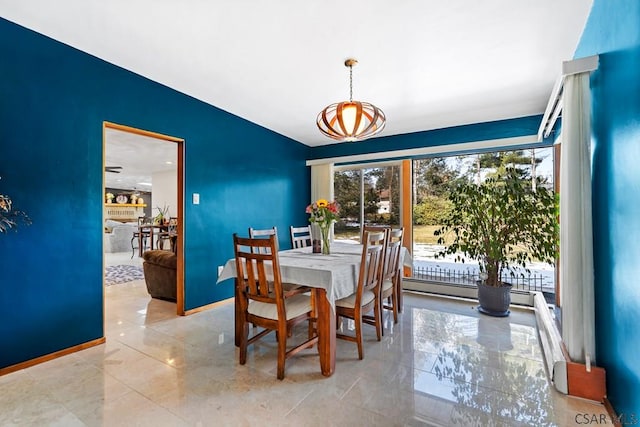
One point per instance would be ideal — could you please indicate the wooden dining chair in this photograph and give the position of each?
(166, 236)
(391, 273)
(367, 295)
(263, 233)
(140, 236)
(300, 236)
(264, 301)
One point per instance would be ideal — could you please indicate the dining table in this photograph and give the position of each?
(331, 277)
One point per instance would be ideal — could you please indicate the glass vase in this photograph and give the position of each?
(316, 238)
(326, 243)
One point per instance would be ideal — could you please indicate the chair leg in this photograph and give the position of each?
(377, 317)
(282, 351)
(394, 302)
(398, 285)
(381, 311)
(312, 328)
(358, 322)
(314, 317)
(243, 342)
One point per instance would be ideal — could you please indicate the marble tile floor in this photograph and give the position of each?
(443, 364)
(122, 258)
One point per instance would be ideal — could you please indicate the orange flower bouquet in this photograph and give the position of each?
(323, 214)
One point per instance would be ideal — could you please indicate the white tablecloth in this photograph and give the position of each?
(337, 273)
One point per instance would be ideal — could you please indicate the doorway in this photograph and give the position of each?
(134, 160)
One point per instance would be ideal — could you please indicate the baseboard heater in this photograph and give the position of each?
(568, 377)
(518, 297)
(575, 379)
(551, 343)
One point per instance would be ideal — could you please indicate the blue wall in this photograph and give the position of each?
(613, 32)
(53, 101)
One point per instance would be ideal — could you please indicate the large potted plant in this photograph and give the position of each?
(504, 223)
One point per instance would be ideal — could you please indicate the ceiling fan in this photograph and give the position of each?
(112, 169)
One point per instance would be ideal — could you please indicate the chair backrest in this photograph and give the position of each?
(392, 256)
(258, 272)
(172, 228)
(256, 233)
(379, 236)
(373, 229)
(300, 236)
(370, 264)
(253, 232)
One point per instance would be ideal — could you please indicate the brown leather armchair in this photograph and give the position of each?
(160, 274)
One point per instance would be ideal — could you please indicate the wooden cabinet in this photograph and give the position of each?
(123, 211)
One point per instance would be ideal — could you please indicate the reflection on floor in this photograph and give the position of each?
(442, 364)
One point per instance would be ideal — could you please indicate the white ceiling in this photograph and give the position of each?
(428, 64)
(140, 158)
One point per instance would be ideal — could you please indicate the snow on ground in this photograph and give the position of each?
(424, 257)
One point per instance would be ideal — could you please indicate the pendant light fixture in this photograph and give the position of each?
(351, 120)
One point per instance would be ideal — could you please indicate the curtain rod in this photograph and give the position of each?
(554, 106)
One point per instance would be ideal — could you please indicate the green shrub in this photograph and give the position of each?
(432, 211)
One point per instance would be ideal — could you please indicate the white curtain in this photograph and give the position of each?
(576, 240)
(322, 182)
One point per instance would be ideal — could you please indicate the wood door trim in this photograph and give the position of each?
(180, 187)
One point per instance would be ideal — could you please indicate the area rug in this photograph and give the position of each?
(115, 274)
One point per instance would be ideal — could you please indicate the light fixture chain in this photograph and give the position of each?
(350, 83)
